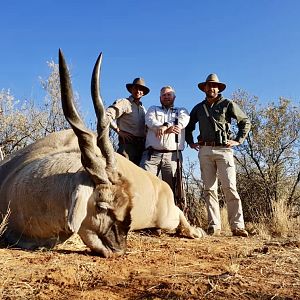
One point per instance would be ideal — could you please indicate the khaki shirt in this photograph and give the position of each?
(128, 116)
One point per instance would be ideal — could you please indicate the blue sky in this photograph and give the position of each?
(251, 45)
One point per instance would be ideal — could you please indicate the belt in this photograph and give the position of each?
(162, 151)
(209, 144)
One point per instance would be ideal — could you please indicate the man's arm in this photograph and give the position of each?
(115, 111)
(183, 117)
(243, 122)
(151, 119)
(154, 123)
(191, 127)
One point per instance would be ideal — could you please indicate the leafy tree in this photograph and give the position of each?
(52, 118)
(22, 123)
(15, 122)
(268, 163)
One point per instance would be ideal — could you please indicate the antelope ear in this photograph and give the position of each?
(77, 211)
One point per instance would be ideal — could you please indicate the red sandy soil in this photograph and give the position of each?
(165, 267)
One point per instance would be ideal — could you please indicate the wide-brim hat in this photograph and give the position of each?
(140, 82)
(212, 78)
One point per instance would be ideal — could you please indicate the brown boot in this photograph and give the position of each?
(240, 232)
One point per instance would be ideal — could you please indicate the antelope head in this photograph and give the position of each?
(105, 221)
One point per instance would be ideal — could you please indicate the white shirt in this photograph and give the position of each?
(155, 117)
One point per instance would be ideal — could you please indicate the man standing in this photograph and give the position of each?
(164, 122)
(129, 114)
(215, 143)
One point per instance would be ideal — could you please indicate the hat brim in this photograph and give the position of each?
(144, 88)
(222, 86)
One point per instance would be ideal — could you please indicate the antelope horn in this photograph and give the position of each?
(90, 161)
(103, 141)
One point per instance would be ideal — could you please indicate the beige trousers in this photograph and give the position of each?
(218, 162)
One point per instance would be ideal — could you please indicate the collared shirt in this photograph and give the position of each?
(128, 116)
(156, 116)
(222, 112)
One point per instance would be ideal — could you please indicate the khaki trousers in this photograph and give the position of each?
(218, 162)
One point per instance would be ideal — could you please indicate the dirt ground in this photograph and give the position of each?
(165, 267)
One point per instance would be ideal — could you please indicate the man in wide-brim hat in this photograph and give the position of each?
(215, 143)
(138, 83)
(214, 80)
(127, 119)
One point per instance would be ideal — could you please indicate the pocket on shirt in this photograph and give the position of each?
(160, 116)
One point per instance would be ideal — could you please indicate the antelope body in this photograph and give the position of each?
(72, 182)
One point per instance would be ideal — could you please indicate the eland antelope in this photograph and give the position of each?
(73, 182)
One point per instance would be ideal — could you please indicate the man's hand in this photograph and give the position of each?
(231, 143)
(174, 129)
(160, 131)
(195, 146)
(164, 130)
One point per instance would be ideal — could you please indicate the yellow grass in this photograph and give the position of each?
(4, 222)
(281, 224)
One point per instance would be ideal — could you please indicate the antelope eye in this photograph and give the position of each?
(101, 207)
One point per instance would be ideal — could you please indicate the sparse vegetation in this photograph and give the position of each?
(24, 122)
(269, 162)
(156, 268)
(268, 170)
(263, 266)
(4, 219)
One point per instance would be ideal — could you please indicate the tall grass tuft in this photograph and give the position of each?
(4, 222)
(281, 223)
(224, 219)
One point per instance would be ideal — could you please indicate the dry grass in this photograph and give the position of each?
(280, 225)
(224, 220)
(4, 222)
(165, 267)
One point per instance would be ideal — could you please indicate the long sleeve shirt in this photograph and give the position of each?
(221, 112)
(128, 116)
(156, 116)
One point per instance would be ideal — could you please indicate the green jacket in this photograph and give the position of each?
(221, 114)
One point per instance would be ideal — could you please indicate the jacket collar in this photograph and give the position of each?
(131, 99)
